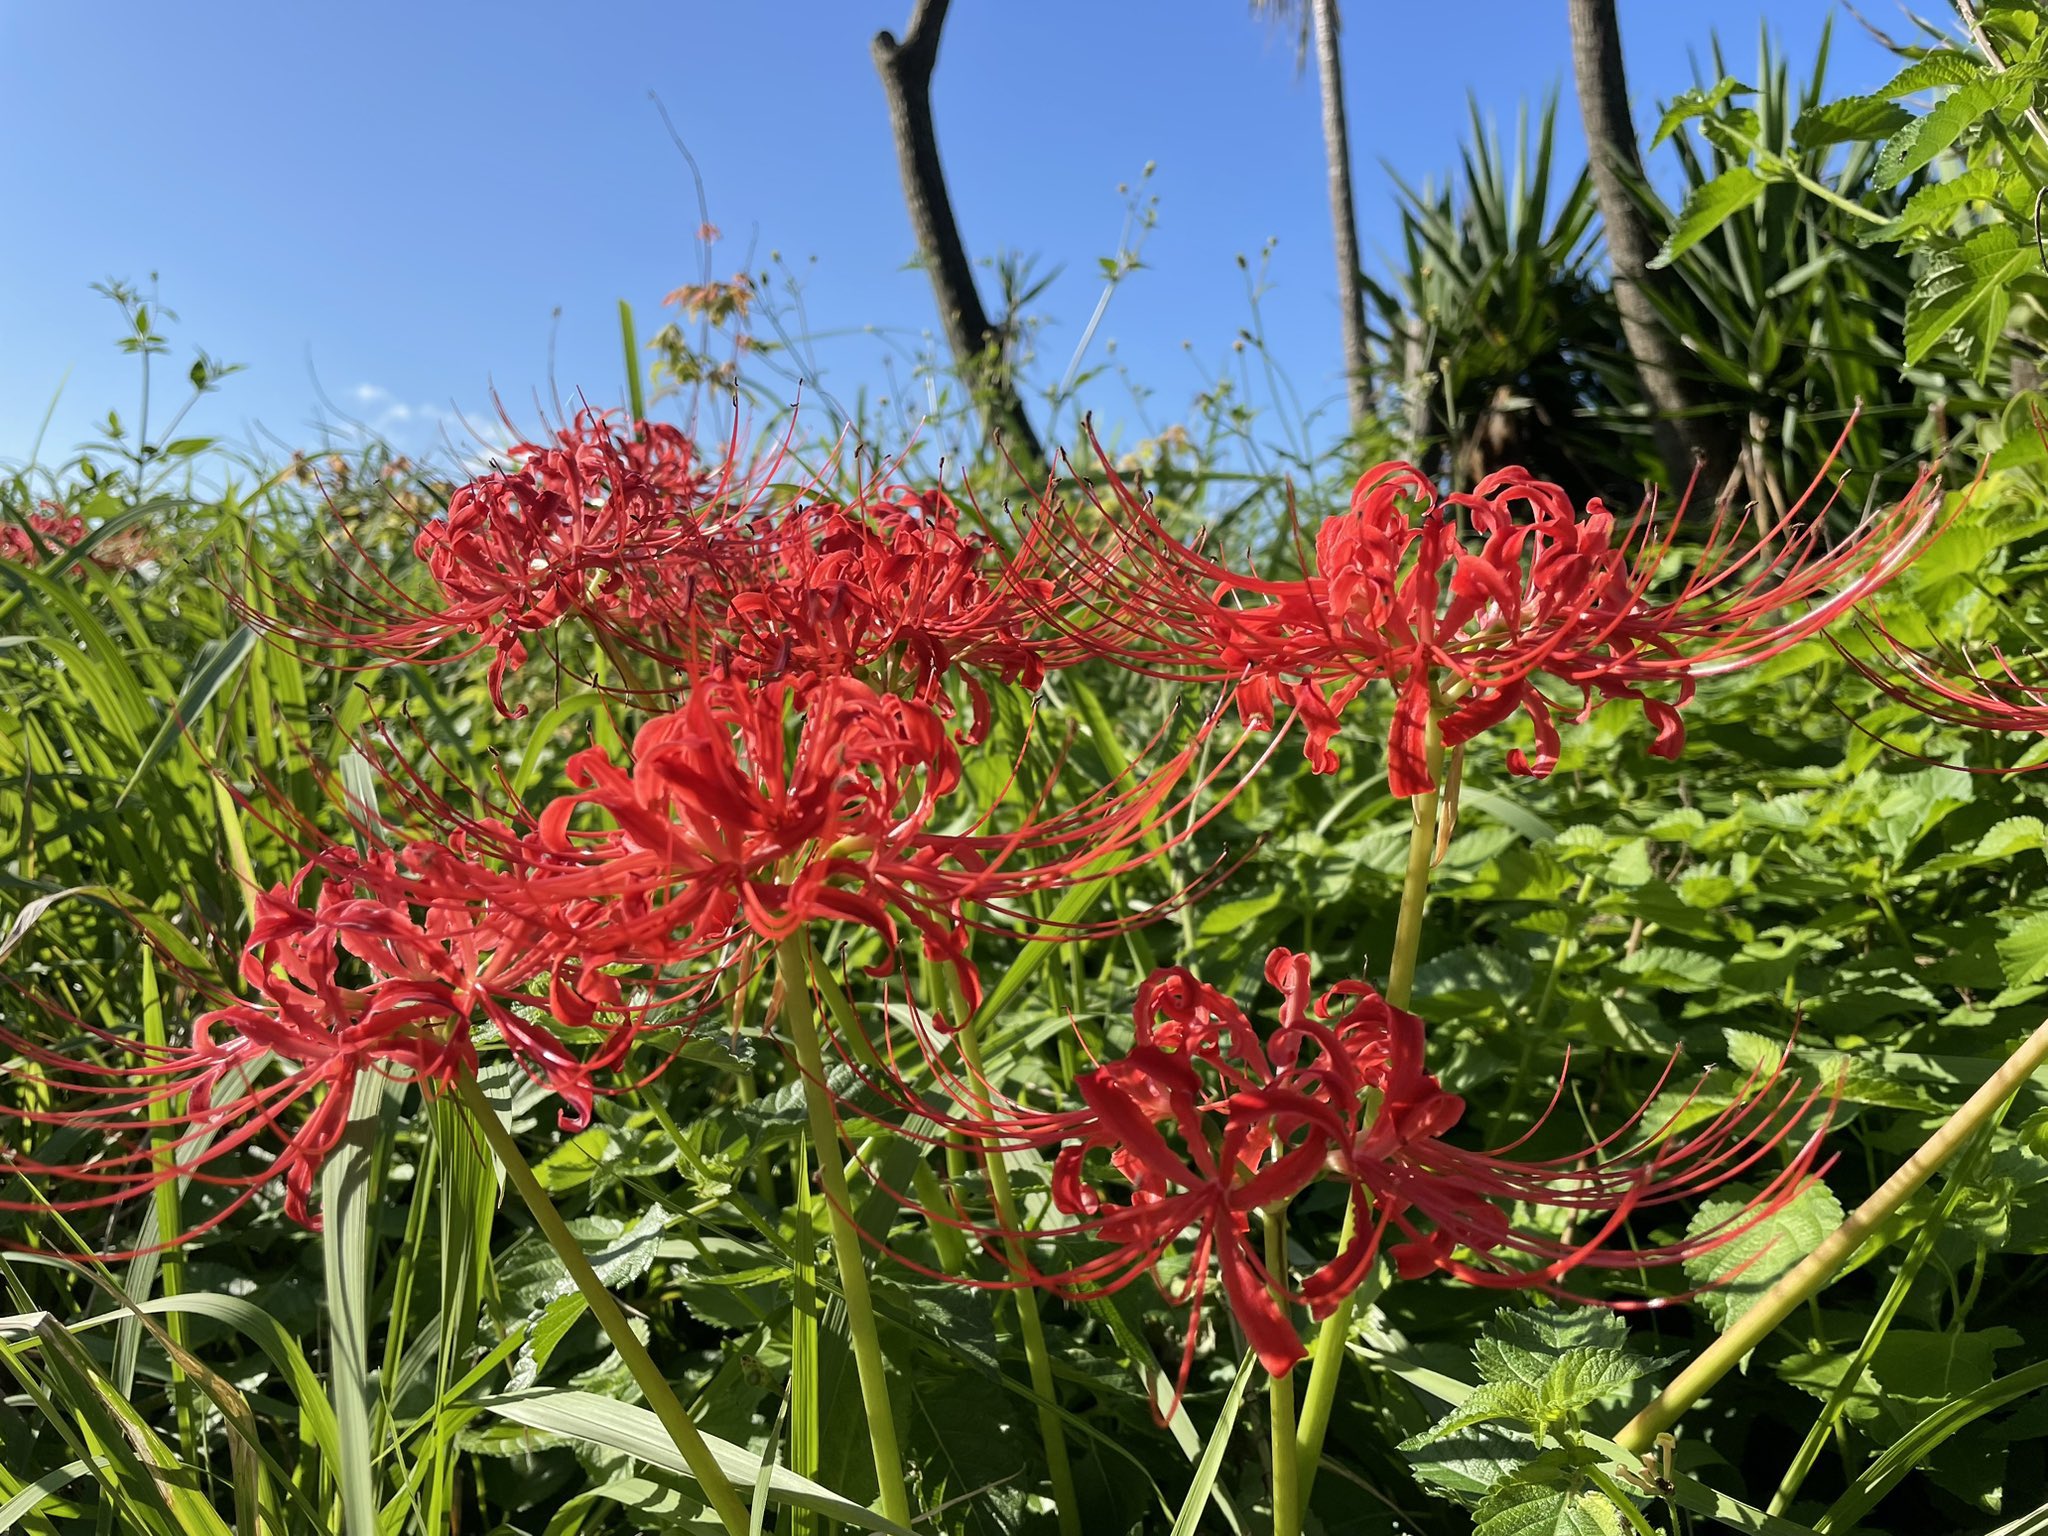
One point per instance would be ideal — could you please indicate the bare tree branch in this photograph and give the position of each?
(906, 71)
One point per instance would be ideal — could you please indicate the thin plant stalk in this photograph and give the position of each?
(1289, 1491)
(1327, 1357)
(169, 1218)
(1037, 1356)
(611, 1317)
(806, 1425)
(793, 963)
(1812, 1273)
(1824, 1423)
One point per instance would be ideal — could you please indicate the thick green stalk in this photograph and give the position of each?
(1327, 1359)
(1819, 1267)
(1037, 1357)
(793, 964)
(1289, 1488)
(611, 1317)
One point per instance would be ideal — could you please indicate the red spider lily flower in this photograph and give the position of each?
(752, 811)
(271, 1076)
(351, 984)
(687, 571)
(1996, 694)
(1465, 603)
(591, 453)
(50, 526)
(1201, 1124)
(604, 528)
(615, 530)
(891, 588)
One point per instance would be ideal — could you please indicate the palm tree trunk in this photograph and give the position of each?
(1685, 438)
(906, 70)
(1343, 215)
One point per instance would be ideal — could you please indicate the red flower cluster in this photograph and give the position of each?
(679, 570)
(801, 662)
(892, 589)
(1463, 603)
(1201, 1124)
(390, 968)
(608, 529)
(617, 910)
(49, 525)
(754, 810)
(51, 531)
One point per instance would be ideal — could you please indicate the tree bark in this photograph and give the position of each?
(906, 70)
(1343, 215)
(1684, 438)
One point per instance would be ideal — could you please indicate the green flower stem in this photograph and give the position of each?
(1415, 884)
(1819, 1267)
(611, 1317)
(1037, 1357)
(1327, 1360)
(793, 964)
(1289, 1490)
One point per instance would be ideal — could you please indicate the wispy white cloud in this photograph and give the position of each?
(388, 416)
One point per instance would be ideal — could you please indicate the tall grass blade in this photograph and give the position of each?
(1189, 1520)
(612, 1425)
(345, 1188)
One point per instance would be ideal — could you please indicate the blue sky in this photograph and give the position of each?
(397, 206)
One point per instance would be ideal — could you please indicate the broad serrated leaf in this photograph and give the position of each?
(1735, 1273)
(1936, 205)
(1914, 147)
(1468, 1464)
(1671, 968)
(1852, 120)
(1581, 1378)
(1707, 208)
(2015, 834)
(1963, 295)
(1687, 105)
(1944, 67)
(1524, 1344)
(2023, 952)
(1514, 1402)
(621, 1252)
(547, 1332)
(1546, 1498)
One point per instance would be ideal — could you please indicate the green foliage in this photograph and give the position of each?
(1540, 1373)
(1792, 888)
(1972, 163)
